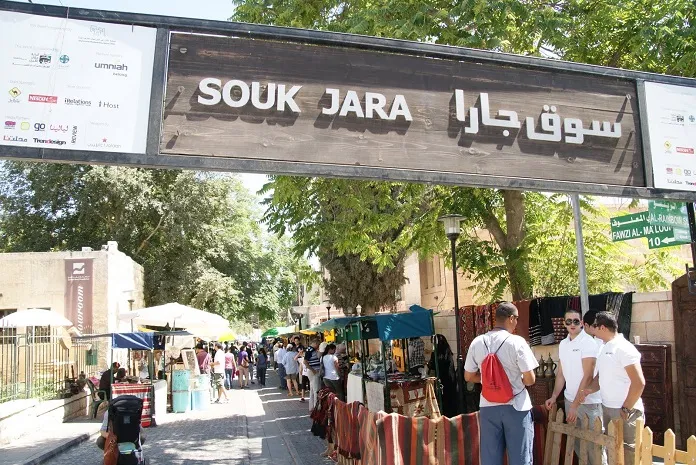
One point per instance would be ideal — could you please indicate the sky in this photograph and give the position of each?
(203, 9)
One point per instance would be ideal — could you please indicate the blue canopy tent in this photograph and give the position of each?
(136, 341)
(418, 322)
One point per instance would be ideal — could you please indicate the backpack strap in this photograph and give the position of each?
(501, 345)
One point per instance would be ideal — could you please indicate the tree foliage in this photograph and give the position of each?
(509, 244)
(196, 234)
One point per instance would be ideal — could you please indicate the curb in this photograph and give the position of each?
(58, 450)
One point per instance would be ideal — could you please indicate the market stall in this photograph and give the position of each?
(378, 379)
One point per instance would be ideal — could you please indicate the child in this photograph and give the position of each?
(304, 374)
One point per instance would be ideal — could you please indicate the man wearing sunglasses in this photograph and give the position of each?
(621, 379)
(577, 354)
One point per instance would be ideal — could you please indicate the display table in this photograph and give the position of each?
(160, 404)
(354, 391)
(412, 398)
(142, 391)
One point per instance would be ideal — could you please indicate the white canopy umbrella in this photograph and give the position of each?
(34, 317)
(176, 315)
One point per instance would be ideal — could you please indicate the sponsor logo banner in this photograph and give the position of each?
(79, 285)
(43, 98)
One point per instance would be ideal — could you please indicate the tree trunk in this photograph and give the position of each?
(518, 271)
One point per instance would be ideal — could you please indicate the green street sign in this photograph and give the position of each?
(665, 239)
(630, 226)
(667, 213)
(641, 224)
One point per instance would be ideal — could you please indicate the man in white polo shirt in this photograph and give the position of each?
(577, 354)
(621, 379)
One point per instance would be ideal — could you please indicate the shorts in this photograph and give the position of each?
(292, 376)
(304, 383)
(218, 380)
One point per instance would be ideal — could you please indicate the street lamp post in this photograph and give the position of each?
(452, 230)
(328, 310)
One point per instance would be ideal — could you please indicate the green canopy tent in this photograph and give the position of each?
(279, 331)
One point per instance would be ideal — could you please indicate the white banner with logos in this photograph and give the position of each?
(70, 84)
(671, 114)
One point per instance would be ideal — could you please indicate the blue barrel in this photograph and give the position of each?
(180, 401)
(200, 399)
(180, 380)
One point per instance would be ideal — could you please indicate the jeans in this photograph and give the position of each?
(336, 385)
(592, 411)
(261, 372)
(314, 385)
(502, 427)
(629, 430)
(281, 375)
(229, 376)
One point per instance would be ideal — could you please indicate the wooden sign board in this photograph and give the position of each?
(264, 100)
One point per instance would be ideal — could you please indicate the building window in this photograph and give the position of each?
(437, 264)
(7, 335)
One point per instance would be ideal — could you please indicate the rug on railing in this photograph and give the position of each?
(347, 430)
(540, 417)
(370, 452)
(415, 398)
(406, 440)
(458, 439)
(322, 414)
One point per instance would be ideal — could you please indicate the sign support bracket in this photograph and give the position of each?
(582, 271)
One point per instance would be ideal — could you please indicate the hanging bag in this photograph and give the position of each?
(496, 385)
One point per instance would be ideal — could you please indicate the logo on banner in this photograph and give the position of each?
(39, 127)
(49, 141)
(669, 171)
(78, 102)
(13, 139)
(10, 124)
(25, 126)
(64, 59)
(43, 98)
(104, 144)
(686, 150)
(73, 140)
(109, 105)
(14, 95)
(59, 128)
(119, 69)
(78, 268)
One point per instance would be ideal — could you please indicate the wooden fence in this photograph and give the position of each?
(646, 450)
(591, 438)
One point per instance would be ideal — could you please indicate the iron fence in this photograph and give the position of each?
(34, 365)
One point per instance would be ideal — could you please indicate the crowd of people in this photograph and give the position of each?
(599, 373)
(302, 370)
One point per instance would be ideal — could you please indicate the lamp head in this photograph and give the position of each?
(452, 225)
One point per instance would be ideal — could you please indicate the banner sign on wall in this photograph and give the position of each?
(263, 100)
(69, 84)
(671, 125)
(79, 284)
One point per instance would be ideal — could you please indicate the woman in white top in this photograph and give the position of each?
(332, 380)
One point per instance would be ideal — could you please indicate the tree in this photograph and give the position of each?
(360, 230)
(597, 32)
(196, 234)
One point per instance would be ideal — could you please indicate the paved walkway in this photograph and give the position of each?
(260, 426)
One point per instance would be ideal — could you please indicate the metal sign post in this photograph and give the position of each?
(582, 271)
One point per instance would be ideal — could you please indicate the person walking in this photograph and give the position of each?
(302, 373)
(261, 366)
(619, 380)
(504, 364)
(578, 355)
(230, 368)
(312, 361)
(243, 367)
(219, 373)
(291, 369)
(332, 379)
(281, 367)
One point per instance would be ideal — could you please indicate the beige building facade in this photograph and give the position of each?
(41, 280)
